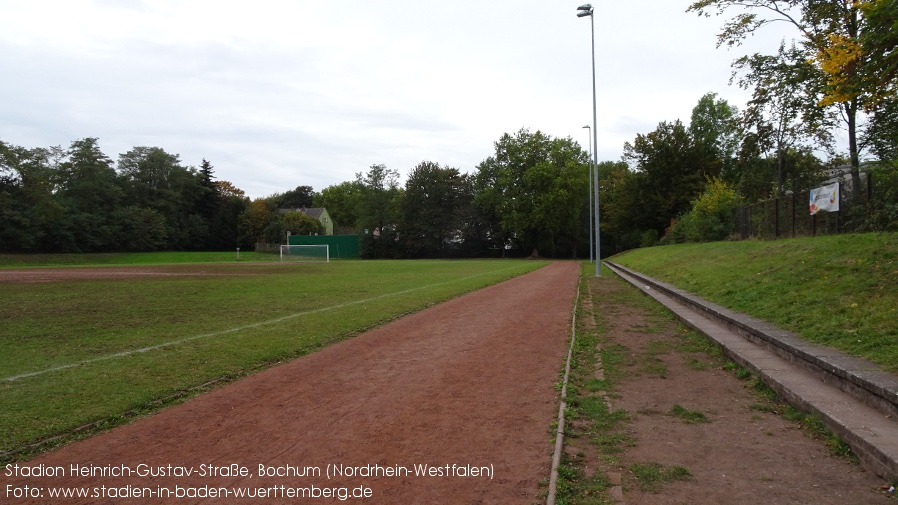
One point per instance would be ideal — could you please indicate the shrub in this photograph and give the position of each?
(711, 217)
(648, 238)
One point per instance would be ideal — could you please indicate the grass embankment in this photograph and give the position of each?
(840, 291)
(100, 351)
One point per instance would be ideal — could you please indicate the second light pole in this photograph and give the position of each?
(586, 10)
(589, 197)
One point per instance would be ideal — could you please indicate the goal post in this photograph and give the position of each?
(306, 252)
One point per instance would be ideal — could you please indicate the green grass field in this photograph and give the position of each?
(840, 291)
(82, 352)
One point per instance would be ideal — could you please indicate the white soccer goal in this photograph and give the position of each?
(313, 252)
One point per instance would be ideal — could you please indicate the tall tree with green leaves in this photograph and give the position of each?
(155, 179)
(258, 223)
(879, 40)
(90, 192)
(782, 114)
(378, 211)
(224, 227)
(298, 223)
(672, 168)
(430, 211)
(342, 202)
(15, 224)
(31, 217)
(477, 229)
(141, 229)
(716, 125)
(881, 134)
(207, 171)
(625, 217)
(829, 32)
(300, 197)
(536, 186)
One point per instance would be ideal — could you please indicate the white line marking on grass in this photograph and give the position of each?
(232, 330)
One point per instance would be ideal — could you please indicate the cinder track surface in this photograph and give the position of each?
(469, 382)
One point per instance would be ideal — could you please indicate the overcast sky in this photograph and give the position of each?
(277, 94)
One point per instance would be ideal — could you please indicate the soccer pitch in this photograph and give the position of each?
(104, 345)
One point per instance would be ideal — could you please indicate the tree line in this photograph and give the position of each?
(530, 196)
(75, 200)
(527, 199)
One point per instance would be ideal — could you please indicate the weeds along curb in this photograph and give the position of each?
(559, 433)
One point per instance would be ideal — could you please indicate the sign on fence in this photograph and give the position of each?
(825, 198)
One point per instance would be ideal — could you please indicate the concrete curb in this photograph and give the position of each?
(559, 432)
(852, 397)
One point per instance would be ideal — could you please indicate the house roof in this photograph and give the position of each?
(314, 212)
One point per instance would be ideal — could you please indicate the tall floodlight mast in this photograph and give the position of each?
(586, 10)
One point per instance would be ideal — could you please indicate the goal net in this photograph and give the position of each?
(316, 252)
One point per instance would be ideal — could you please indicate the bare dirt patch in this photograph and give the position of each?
(686, 412)
(64, 274)
(466, 384)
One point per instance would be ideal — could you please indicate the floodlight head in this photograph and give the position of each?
(587, 126)
(585, 10)
(583, 14)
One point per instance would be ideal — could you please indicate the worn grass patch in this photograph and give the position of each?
(688, 416)
(840, 290)
(651, 477)
(575, 487)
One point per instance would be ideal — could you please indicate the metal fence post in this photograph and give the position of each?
(776, 217)
(792, 223)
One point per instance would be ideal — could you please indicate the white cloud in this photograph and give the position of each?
(284, 93)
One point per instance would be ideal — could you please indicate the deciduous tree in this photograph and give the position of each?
(536, 187)
(254, 222)
(342, 203)
(878, 40)
(431, 210)
(829, 31)
(155, 179)
(715, 125)
(378, 211)
(297, 198)
(89, 190)
(782, 114)
(298, 223)
(674, 168)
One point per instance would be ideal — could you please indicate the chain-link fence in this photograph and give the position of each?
(874, 208)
